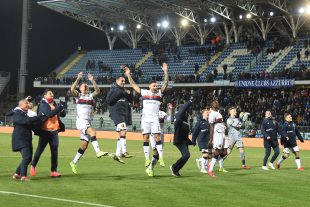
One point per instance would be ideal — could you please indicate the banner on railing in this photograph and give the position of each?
(265, 83)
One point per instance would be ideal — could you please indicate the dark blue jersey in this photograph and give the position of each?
(289, 132)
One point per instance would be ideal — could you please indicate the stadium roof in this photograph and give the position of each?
(266, 15)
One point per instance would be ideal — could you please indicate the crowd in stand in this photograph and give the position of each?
(254, 101)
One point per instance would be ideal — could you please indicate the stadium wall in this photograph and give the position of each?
(248, 142)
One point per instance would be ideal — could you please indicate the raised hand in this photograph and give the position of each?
(80, 75)
(126, 71)
(165, 67)
(90, 77)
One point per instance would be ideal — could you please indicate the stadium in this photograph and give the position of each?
(154, 103)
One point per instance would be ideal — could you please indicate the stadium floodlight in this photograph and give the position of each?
(271, 13)
(240, 16)
(205, 20)
(248, 16)
(158, 24)
(121, 27)
(139, 26)
(184, 22)
(301, 10)
(112, 29)
(165, 24)
(308, 9)
(212, 19)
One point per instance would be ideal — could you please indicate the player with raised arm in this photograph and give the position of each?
(150, 120)
(85, 107)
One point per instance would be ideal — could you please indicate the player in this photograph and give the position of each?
(118, 99)
(234, 136)
(201, 133)
(289, 133)
(217, 129)
(270, 128)
(85, 107)
(150, 121)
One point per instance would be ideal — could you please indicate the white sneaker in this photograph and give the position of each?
(265, 168)
(198, 164)
(203, 170)
(271, 166)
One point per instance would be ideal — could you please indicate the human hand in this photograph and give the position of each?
(80, 75)
(126, 71)
(90, 77)
(165, 67)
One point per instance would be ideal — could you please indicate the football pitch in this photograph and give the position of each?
(105, 182)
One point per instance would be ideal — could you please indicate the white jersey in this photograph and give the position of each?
(217, 119)
(85, 106)
(151, 103)
(31, 113)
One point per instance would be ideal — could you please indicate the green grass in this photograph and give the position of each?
(104, 181)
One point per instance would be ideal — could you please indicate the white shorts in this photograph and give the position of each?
(218, 140)
(121, 127)
(150, 127)
(293, 149)
(226, 142)
(83, 125)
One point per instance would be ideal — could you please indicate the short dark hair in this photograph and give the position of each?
(120, 76)
(152, 81)
(45, 91)
(286, 114)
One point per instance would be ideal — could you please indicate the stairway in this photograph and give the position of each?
(145, 58)
(204, 67)
(68, 67)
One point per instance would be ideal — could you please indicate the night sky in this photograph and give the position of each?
(53, 38)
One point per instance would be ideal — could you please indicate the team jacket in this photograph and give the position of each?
(270, 128)
(119, 108)
(201, 131)
(289, 130)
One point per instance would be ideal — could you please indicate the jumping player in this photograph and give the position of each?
(85, 107)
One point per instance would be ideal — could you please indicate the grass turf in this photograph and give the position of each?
(106, 182)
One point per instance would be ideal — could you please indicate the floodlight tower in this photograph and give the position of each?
(22, 72)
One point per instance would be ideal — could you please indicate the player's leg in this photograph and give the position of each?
(122, 127)
(155, 129)
(223, 154)
(297, 158)
(146, 131)
(79, 153)
(43, 141)
(267, 154)
(286, 154)
(240, 146)
(93, 139)
(54, 143)
(276, 152)
(204, 161)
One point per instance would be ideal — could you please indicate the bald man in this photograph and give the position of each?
(22, 137)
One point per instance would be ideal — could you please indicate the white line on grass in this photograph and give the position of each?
(55, 199)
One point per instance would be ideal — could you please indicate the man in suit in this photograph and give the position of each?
(22, 137)
(181, 140)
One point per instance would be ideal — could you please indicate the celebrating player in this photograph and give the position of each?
(150, 120)
(85, 107)
(118, 99)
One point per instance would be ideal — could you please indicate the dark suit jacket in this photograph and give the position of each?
(181, 126)
(22, 134)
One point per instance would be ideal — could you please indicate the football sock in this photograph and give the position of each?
(153, 162)
(221, 162)
(95, 144)
(281, 160)
(159, 148)
(118, 148)
(204, 162)
(78, 155)
(298, 163)
(146, 149)
(212, 164)
(123, 144)
(242, 156)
